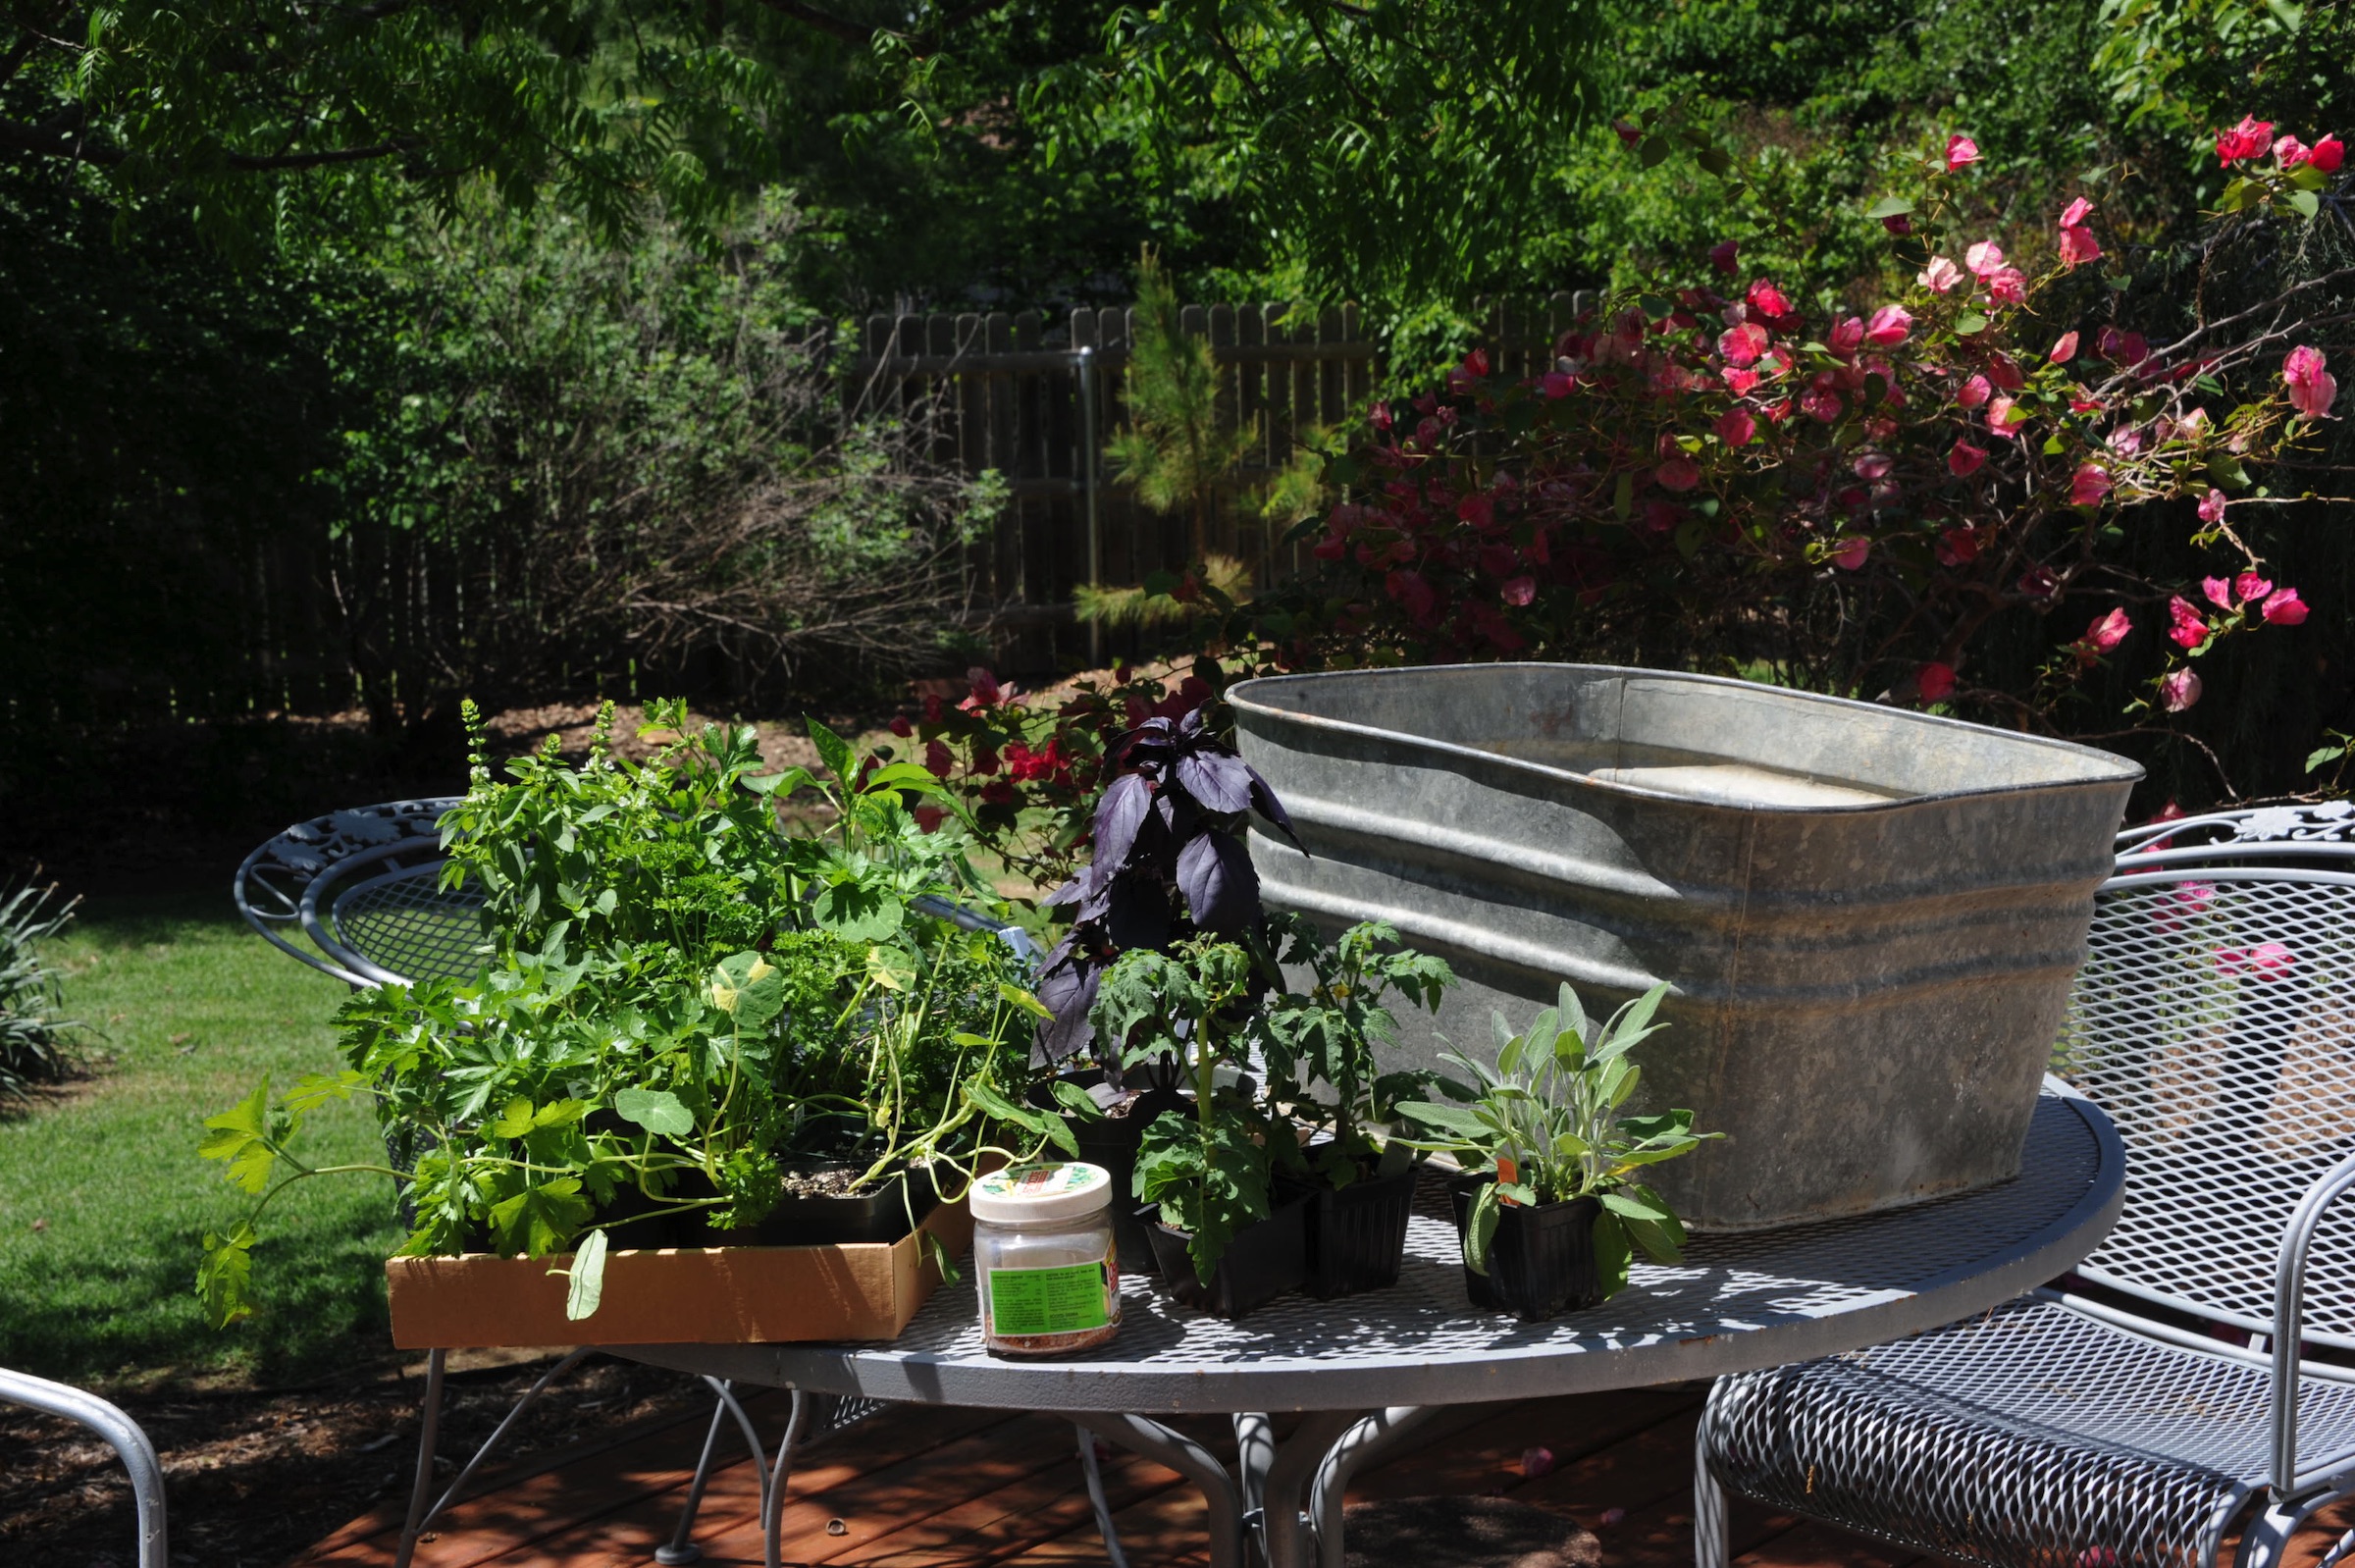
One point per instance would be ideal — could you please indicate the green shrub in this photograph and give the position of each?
(36, 1040)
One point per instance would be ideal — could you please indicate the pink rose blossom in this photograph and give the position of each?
(1735, 427)
(1518, 591)
(1722, 254)
(2185, 624)
(2325, 155)
(1983, 258)
(1889, 327)
(1941, 275)
(2008, 285)
(1851, 553)
(1847, 337)
(2107, 631)
(2248, 585)
(2065, 351)
(1767, 300)
(2076, 213)
(1823, 407)
(2088, 484)
(2290, 152)
(1960, 150)
(1964, 460)
(2078, 246)
(2248, 139)
(2286, 608)
(2212, 506)
(1934, 681)
(1973, 392)
(2267, 959)
(2312, 389)
(2178, 690)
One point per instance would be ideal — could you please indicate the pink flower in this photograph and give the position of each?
(2266, 960)
(1518, 591)
(2325, 155)
(1897, 223)
(2185, 624)
(2077, 245)
(2290, 151)
(1960, 150)
(2178, 690)
(1940, 275)
(1767, 300)
(2003, 419)
(2009, 284)
(2125, 347)
(1847, 336)
(1537, 1461)
(1851, 553)
(2065, 351)
(2107, 631)
(1558, 383)
(2249, 586)
(2005, 372)
(1983, 258)
(2212, 506)
(2286, 608)
(2088, 484)
(2248, 139)
(1742, 345)
(2218, 592)
(2076, 213)
(1934, 681)
(1964, 460)
(2038, 582)
(1722, 254)
(1889, 327)
(1678, 473)
(1973, 393)
(1959, 545)
(1735, 427)
(1629, 133)
(1824, 405)
(2312, 389)
(1740, 382)
(1874, 467)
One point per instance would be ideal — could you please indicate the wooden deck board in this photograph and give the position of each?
(956, 1488)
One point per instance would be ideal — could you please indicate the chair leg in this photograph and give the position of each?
(2266, 1542)
(682, 1549)
(772, 1495)
(429, 1428)
(1095, 1473)
(1709, 1525)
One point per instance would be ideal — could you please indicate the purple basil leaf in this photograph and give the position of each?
(1066, 894)
(1221, 888)
(1139, 915)
(1218, 782)
(1190, 725)
(1118, 815)
(1264, 802)
(1067, 988)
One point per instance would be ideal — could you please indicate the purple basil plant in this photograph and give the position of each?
(1168, 862)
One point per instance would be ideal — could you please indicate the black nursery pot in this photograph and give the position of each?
(1356, 1237)
(1112, 1142)
(1261, 1263)
(885, 1213)
(1541, 1262)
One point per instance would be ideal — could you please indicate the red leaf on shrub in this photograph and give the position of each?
(1934, 681)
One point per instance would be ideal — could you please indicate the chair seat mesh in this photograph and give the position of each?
(2034, 1436)
(412, 926)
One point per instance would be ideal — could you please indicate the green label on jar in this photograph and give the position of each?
(1031, 1301)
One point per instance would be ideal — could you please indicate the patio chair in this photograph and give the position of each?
(364, 887)
(2198, 1368)
(121, 1433)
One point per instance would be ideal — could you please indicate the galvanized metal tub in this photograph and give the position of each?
(1870, 916)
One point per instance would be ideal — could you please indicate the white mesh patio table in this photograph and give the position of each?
(1365, 1369)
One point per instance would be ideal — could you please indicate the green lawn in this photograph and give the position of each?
(194, 1009)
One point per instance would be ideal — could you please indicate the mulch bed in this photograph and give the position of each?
(252, 1476)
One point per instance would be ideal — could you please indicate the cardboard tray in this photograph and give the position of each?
(678, 1295)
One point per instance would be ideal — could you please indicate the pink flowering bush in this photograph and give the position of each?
(1709, 474)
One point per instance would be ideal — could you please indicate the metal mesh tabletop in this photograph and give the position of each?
(1743, 1300)
(406, 922)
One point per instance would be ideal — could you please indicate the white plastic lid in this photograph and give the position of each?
(1041, 1194)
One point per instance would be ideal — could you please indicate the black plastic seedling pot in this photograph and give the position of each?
(1261, 1263)
(1112, 1142)
(1541, 1262)
(1356, 1237)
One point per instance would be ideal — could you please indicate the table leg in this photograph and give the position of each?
(1360, 1444)
(1283, 1525)
(1190, 1460)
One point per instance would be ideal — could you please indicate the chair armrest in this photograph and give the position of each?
(2289, 1317)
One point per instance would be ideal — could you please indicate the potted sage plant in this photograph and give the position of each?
(1551, 1209)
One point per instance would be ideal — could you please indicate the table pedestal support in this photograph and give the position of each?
(1286, 1497)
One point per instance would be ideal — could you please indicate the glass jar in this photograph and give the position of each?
(1047, 1271)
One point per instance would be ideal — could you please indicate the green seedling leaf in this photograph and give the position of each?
(540, 1220)
(857, 913)
(240, 1135)
(658, 1110)
(833, 750)
(792, 780)
(314, 1090)
(225, 1276)
(2322, 755)
(586, 1286)
(514, 1121)
(1015, 997)
(1890, 207)
(1079, 1102)
(2307, 203)
(754, 987)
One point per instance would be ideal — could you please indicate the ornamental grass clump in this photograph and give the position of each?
(36, 1040)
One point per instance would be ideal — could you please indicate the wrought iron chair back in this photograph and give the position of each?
(2215, 1021)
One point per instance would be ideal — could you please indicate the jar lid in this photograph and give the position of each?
(1040, 1194)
